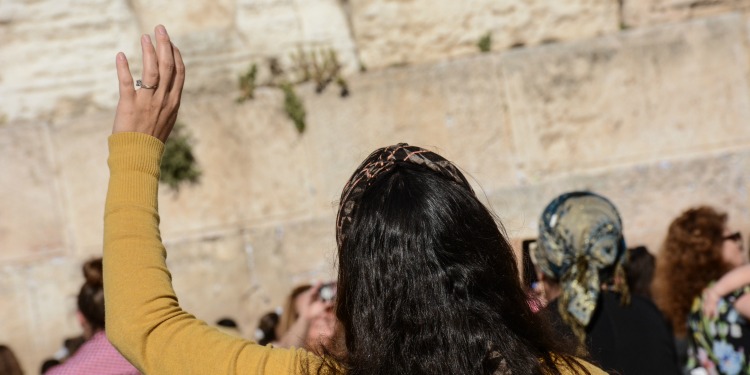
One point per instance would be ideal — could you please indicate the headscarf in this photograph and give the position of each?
(378, 164)
(580, 234)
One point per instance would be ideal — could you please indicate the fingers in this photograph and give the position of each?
(150, 67)
(124, 77)
(166, 59)
(179, 76)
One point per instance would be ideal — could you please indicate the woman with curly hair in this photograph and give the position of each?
(698, 250)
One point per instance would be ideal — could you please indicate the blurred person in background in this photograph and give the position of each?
(96, 355)
(639, 271)
(229, 326)
(267, 325)
(308, 319)
(9, 364)
(580, 253)
(48, 364)
(701, 247)
(427, 281)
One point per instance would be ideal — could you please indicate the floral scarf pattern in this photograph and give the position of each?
(718, 345)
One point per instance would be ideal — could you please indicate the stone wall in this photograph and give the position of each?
(643, 101)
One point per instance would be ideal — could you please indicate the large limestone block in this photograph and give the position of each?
(286, 255)
(31, 209)
(630, 98)
(638, 13)
(254, 166)
(187, 17)
(456, 108)
(17, 331)
(38, 307)
(58, 56)
(80, 148)
(279, 28)
(244, 273)
(212, 278)
(398, 31)
(648, 195)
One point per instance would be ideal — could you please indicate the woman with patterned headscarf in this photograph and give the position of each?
(580, 256)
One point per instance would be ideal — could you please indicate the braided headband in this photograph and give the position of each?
(382, 161)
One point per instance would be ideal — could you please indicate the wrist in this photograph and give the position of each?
(712, 293)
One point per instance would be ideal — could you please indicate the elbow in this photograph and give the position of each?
(118, 335)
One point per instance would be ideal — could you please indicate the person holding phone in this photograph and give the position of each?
(308, 319)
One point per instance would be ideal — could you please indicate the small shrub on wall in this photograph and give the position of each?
(321, 67)
(178, 165)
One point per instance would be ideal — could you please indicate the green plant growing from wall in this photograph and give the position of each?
(247, 83)
(485, 42)
(320, 66)
(178, 165)
(294, 107)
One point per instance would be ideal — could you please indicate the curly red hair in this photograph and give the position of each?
(689, 260)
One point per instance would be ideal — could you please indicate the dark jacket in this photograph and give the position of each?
(629, 340)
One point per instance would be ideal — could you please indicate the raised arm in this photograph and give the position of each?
(731, 281)
(143, 318)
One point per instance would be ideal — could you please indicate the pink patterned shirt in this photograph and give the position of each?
(95, 357)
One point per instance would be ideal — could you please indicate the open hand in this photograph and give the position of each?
(151, 109)
(710, 303)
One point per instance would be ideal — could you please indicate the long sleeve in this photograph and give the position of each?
(143, 318)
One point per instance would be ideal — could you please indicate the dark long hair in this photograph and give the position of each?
(639, 271)
(428, 284)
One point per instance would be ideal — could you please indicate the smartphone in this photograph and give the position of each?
(327, 291)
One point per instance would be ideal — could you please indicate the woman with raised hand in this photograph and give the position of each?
(427, 284)
(700, 247)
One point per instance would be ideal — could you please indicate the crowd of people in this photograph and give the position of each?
(427, 282)
(683, 312)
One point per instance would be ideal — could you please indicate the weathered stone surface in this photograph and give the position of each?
(190, 17)
(80, 148)
(639, 13)
(254, 166)
(31, 212)
(214, 269)
(16, 326)
(286, 255)
(58, 57)
(397, 32)
(37, 308)
(246, 273)
(279, 28)
(629, 98)
(456, 108)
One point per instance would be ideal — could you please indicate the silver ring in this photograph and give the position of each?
(139, 83)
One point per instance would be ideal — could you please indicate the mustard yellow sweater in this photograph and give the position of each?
(144, 319)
